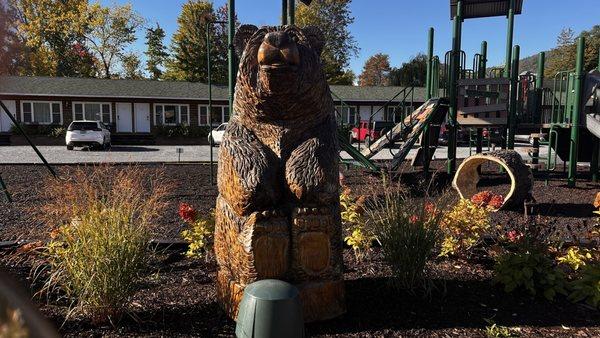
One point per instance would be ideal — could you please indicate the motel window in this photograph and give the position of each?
(41, 112)
(92, 111)
(347, 114)
(171, 114)
(220, 114)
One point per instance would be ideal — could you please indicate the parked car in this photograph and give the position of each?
(93, 134)
(368, 133)
(217, 134)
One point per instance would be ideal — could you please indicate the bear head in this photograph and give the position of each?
(280, 74)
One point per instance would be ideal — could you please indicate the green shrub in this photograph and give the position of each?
(463, 227)
(529, 269)
(199, 232)
(57, 132)
(498, 331)
(180, 131)
(587, 286)
(99, 249)
(408, 231)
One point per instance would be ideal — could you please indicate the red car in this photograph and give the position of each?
(367, 134)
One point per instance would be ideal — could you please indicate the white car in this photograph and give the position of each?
(217, 134)
(87, 134)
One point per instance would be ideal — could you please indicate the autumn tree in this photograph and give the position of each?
(219, 63)
(333, 17)
(189, 43)
(53, 34)
(112, 30)
(131, 65)
(156, 51)
(10, 45)
(375, 71)
(411, 73)
(563, 56)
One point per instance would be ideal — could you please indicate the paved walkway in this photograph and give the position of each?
(60, 155)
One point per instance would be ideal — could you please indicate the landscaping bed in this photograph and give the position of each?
(177, 295)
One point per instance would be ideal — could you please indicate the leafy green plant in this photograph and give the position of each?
(200, 230)
(57, 132)
(587, 286)
(352, 214)
(575, 257)
(494, 330)
(408, 231)
(529, 269)
(99, 250)
(463, 227)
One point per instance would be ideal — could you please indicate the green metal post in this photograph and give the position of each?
(574, 144)
(483, 60)
(428, 93)
(208, 74)
(454, 69)
(596, 146)
(231, 53)
(284, 13)
(5, 190)
(481, 75)
(509, 37)
(539, 80)
(512, 109)
(291, 12)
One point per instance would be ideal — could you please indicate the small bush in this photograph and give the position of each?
(587, 286)
(57, 132)
(529, 269)
(463, 227)
(200, 230)
(353, 219)
(498, 331)
(409, 232)
(575, 257)
(99, 247)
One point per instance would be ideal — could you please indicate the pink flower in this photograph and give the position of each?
(413, 219)
(514, 235)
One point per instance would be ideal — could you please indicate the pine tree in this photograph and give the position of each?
(189, 43)
(156, 52)
(333, 17)
(132, 67)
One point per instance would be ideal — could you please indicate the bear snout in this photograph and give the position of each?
(278, 50)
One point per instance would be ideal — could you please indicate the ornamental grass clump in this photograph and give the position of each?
(360, 238)
(409, 231)
(98, 249)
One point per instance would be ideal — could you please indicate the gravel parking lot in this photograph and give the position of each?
(164, 154)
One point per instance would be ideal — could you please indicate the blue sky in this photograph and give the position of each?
(399, 27)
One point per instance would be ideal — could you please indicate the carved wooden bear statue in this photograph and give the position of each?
(278, 213)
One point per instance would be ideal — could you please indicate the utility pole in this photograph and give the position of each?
(231, 53)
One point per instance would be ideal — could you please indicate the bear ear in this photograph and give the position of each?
(315, 38)
(241, 38)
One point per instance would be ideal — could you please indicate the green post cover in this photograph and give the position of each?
(270, 308)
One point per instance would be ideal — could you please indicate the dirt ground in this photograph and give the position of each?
(177, 296)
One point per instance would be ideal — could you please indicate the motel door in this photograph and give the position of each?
(5, 122)
(124, 117)
(142, 117)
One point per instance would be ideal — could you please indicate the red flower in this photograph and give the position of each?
(187, 212)
(413, 219)
(496, 201)
(429, 208)
(482, 198)
(514, 235)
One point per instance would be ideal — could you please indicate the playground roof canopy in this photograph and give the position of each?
(484, 8)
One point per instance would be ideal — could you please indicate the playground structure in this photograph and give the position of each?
(502, 99)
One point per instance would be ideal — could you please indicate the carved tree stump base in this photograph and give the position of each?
(320, 300)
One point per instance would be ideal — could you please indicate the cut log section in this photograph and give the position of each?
(521, 179)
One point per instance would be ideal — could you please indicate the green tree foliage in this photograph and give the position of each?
(375, 71)
(564, 55)
(112, 30)
(219, 63)
(156, 52)
(189, 43)
(53, 34)
(333, 17)
(411, 73)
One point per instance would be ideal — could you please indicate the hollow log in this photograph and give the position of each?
(521, 179)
